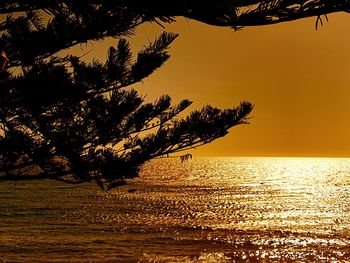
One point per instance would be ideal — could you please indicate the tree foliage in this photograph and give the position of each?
(232, 13)
(65, 119)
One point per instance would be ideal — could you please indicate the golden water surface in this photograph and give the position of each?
(204, 210)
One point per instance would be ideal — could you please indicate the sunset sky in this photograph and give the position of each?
(297, 77)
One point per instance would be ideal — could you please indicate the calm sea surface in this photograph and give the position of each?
(205, 210)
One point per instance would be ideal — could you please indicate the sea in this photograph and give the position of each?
(203, 210)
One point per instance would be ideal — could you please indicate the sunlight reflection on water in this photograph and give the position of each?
(205, 210)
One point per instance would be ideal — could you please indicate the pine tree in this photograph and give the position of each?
(65, 119)
(230, 13)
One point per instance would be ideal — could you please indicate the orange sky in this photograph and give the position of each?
(297, 77)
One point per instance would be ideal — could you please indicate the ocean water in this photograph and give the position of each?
(204, 210)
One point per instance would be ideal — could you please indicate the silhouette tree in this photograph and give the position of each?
(65, 119)
(232, 13)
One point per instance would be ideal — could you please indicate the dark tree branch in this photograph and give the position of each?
(64, 117)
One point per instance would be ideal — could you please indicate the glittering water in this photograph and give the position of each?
(205, 210)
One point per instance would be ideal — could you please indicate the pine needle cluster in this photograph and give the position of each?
(65, 119)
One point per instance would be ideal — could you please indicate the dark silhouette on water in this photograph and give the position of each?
(185, 157)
